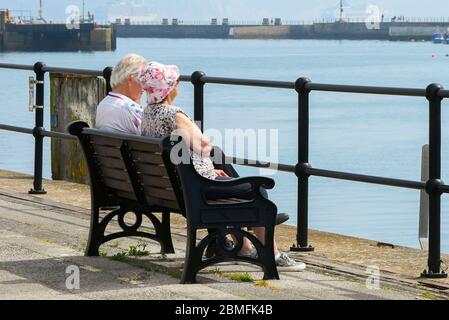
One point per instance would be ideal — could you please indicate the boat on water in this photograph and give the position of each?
(438, 38)
(446, 38)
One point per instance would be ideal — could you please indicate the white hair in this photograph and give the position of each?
(128, 66)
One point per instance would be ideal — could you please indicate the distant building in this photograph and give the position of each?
(135, 11)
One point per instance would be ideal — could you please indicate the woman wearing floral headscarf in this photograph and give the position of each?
(161, 118)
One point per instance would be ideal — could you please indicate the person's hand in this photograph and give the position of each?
(221, 173)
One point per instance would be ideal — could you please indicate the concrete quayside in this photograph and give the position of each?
(43, 236)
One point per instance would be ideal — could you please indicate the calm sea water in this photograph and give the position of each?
(366, 134)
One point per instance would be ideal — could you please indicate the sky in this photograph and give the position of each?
(237, 10)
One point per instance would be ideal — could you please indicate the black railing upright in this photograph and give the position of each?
(302, 165)
(39, 126)
(302, 169)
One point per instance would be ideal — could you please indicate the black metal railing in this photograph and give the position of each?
(303, 170)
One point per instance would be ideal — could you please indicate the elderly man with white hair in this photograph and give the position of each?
(120, 110)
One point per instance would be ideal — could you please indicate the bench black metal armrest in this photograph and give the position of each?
(205, 183)
(190, 177)
(255, 182)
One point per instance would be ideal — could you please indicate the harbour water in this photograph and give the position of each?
(367, 134)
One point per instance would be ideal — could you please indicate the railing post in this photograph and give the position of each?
(198, 98)
(302, 244)
(434, 183)
(38, 127)
(107, 76)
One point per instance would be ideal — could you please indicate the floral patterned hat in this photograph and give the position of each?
(158, 80)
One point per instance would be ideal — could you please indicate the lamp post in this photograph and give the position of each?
(341, 10)
(40, 10)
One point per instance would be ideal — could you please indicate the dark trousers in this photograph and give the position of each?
(241, 191)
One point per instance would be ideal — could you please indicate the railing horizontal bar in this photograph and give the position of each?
(260, 83)
(320, 86)
(60, 135)
(366, 89)
(249, 82)
(16, 66)
(444, 188)
(16, 129)
(259, 164)
(443, 93)
(419, 185)
(73, 71)
(185, 78)
(286, 168)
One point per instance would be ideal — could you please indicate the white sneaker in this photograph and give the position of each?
(285, 263)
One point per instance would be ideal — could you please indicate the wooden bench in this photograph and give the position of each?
(133, 174)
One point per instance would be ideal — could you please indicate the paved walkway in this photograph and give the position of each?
(40, 239)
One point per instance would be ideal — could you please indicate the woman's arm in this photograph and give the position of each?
(199, 143)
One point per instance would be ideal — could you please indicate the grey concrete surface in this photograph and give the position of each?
(38, 241)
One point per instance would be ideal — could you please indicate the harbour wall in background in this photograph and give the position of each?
(55, 37)
(173, 31)
(334, 31)
(260, 32)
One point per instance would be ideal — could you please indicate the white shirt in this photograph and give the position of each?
(119, 113)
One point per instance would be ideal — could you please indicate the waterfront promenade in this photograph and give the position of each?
(41, 236)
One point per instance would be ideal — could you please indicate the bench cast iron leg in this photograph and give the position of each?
(95, 234)
(269, 263)
(192, 259)
(165, 234)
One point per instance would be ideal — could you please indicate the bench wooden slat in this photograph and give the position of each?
(147, 157)
(111, 162)
(143, 147)
(115, 173)
(104, 141)
(153, 181)
(107, 151)
(166, 194)
(152, 170)
(118, 185)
